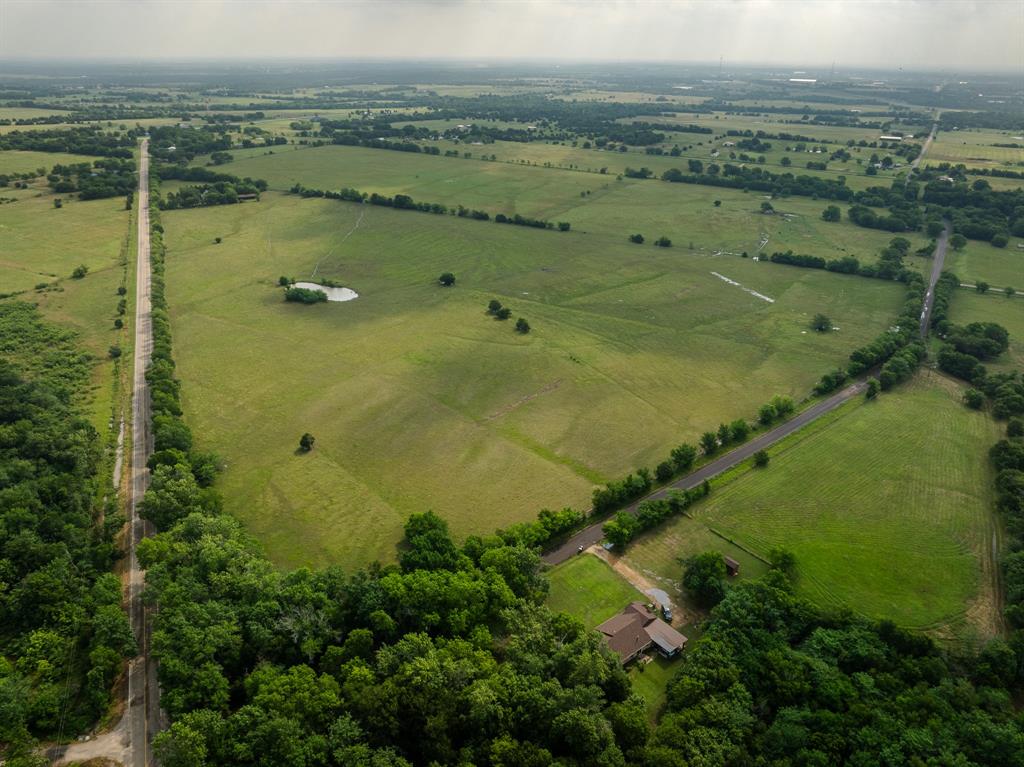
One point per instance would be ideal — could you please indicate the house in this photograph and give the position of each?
(636, 629)
(732, 566)
(890, 138)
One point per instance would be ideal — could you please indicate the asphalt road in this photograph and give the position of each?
(938, 261)
(143, 706)
(924, 149)
(593, 534)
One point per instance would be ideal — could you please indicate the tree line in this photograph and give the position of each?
(63, 633)
(91, 141)
(110, 177)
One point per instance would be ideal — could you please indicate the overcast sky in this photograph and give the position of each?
(914, 34)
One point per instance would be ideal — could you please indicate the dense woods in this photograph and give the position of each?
(63, 633)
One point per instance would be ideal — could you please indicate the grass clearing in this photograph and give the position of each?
(15, 161)
(888, 511)
(419, 400)
(588, 588)
(968, 306)
(998, 267)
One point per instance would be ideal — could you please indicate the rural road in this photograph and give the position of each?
(142, 711)
(938, 260)
(593, 534)
(925, 148)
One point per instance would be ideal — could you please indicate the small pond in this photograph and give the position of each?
(333, 294)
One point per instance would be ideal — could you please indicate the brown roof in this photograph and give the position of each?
(634, 630)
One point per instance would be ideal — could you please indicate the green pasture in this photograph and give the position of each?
(26, 113)
(39, 243)
(589, 589)
(599, 204)
(983, 261)
(968, 306)
(419, 400)
(14, 161)
(974, 148)
(888, 511)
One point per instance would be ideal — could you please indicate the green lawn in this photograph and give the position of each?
(419, 400)
(589, 589)
(887, 509)
(967, 306)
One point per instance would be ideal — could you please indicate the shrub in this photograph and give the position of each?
(306, 442)
(522, 326)
(637, 238)
(761, 459)
(974, 399)
(447, 279)
(821, 323)
(80, 271)
(114, 352)
(304, 295)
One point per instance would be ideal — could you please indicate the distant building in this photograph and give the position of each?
(732, 566)
(890, 138)
(636, 629)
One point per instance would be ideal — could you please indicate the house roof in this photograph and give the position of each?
(634, 630)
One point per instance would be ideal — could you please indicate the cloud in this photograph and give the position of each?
(914, 34)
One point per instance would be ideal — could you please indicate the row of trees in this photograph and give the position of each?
(91, 141)
(962, 355)
(203, 195)
(405, 202)
(624, 526)
(109, 177)
(63, 634)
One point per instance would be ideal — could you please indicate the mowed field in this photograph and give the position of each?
(888, 511)
(419, 400)
(968, 306)
(598, 204)
(976, 149)
(999, 267)
(13, 161)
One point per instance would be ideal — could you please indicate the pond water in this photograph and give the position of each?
(333, 294)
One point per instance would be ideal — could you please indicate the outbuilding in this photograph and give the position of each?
(732, 566)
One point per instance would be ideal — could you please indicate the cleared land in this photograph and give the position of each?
(588, 588)
(13, 161)
(598, 204)
(968, 306)
(419, 400)
(888, 511)
(976, 149)
(982, 261)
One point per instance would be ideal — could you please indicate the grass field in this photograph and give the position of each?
(589, 589)
(598, 204)
(13, 161)
(968, 306)
(888, 511)
(41, 244)
(982, 261)
(975, 149)
(419, 400)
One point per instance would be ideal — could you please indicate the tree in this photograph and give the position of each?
(974, 399)
(761, 459)
(766, 414)
(1000, 240)
(1009, 292)
(767, 208)
(782, 560)
(284, 282)
(718, 203)
(663, 242)
(831, 214)
(933, 229)
(80, 271)
(724, 433)
(637, 238)
(739, 430)
(664, 471)
(493, 306)
(522, 326)
(785, 162)
(306, 442)
(683, 457)
(709, 442)
(217, 240)
(958, 241)
(821, 323)
(503, 313)
(872, 389)
(58, 203)
(447, 279)
(114, 352)
(704, 578)
(981, 286)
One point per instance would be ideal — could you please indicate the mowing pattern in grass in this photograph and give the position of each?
(589, 589)
(888, 510)
(983, 261)
(419, 400)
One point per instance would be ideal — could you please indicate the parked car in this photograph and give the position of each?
(666, 613)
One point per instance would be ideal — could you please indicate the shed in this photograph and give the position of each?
(732, 566)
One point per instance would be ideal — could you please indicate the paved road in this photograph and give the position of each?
(938, 260)
(593, 534)
(924, 149)
(143, 706)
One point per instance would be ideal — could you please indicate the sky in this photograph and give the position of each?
(913, 34)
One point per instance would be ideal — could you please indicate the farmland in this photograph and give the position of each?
(888, 511)
(981, 261)
(994, 307)
(416, 397)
